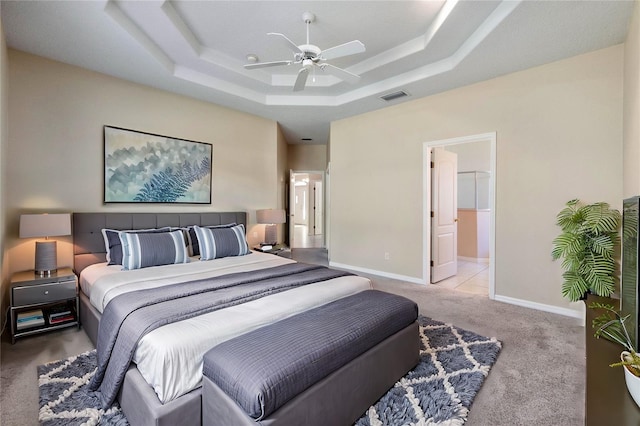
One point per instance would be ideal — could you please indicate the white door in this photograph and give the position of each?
(301, 205)
(292, 197)
(318, 208)
(444, 212)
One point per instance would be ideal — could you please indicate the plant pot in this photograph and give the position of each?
(633, 381)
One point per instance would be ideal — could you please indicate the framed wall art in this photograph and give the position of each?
(147, 168)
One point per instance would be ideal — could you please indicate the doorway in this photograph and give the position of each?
(475, 213)
(306, 209)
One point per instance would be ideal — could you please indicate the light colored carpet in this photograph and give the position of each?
(537, 379)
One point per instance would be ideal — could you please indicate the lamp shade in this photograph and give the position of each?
(270, 216)
(45, 225)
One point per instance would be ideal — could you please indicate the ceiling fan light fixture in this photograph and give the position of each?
(310, 56)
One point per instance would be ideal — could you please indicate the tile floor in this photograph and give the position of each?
(472, 277)
(302, 239)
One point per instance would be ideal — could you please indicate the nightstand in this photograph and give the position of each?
(43, 303)
(277, 249)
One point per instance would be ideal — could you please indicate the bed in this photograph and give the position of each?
(163, 383)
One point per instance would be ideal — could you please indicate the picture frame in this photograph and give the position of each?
(141, 167)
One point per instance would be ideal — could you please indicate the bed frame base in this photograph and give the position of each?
(338, 399)
(138, 401)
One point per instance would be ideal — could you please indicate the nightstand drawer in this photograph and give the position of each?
(43, 293)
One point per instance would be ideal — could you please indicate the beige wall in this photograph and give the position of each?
(57, 113)
(307, 157)
(559, 136)
(632, 107)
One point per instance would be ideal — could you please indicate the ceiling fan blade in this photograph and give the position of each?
(267, 64)
(301, 80)
(340, 73)
(346, 49)
(288, 43)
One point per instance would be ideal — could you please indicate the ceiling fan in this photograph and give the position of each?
(310, 56)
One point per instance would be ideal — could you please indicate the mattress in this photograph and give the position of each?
(170, 357)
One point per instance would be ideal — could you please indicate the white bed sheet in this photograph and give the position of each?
(170, 357)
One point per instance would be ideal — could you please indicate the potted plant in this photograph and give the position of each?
(587, 246)
(611, 325)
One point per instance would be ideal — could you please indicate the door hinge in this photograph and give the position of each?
(432, 164)
(432, 215)
(432, 263)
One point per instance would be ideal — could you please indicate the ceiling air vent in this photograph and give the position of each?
(395, 95)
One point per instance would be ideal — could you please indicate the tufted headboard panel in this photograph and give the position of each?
(88, 243)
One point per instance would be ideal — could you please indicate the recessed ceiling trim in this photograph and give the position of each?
(321, 80)
(488, 25)
(182, 27)
(437, 23)
(218, 84)
(114, 11)
(284, 100)
(408, 48)
(219, 59)
(500, 13)
(204, 53)
(224, 61)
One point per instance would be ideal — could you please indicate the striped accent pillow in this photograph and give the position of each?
(192, 240)
(221, 242)
(114, 246)
(153, 249)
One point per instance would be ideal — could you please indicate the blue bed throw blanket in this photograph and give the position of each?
(128, 317)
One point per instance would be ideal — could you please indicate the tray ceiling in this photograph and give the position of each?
(198, 48)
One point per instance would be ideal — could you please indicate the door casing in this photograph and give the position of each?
(426, 202)
(323, 196)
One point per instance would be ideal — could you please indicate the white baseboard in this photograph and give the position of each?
(413, 280)
(505, 299)
(542, 307)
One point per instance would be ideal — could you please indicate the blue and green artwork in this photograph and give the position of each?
(146, 168)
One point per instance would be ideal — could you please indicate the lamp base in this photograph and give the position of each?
(46, 258)
(271, 234)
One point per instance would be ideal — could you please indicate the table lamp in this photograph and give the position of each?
(270, 217)
(45, 225)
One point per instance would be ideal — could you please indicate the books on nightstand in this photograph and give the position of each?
(29, 319)
(61, 314)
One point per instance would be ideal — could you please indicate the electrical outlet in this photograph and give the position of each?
(386, 255)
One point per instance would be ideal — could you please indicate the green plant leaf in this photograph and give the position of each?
(587, 248)
(574, 286)
(603, 245)
(600, 218)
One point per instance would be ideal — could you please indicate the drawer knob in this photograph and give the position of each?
(46, 292)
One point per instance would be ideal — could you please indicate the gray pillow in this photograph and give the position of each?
(114, 246)
(192, 240)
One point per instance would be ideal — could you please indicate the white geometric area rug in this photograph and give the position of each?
(438, 391)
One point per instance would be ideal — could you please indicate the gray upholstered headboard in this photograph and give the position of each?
(88, 243)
